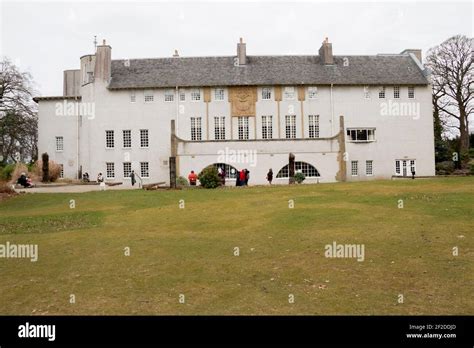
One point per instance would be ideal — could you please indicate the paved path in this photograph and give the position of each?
(75, 188)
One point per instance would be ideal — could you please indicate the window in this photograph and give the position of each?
(412, 166)
(289, 93)
(369, 168)
(290, 121)
(133, 97)
(313, 122)
(127, 169)
(110, 170)
(109, 139)
(382, 92)
(149, 97)
(143, 137)
(127, 138)
(196, 131)
(182, 95)
(312, 92)
(307, 169)
(196, 94)
(411, 92)
(361, 134)
(219, 128)
(267, 132)
(354, 168)
(169, 95)
(366, 92)
(144, 170)
(219, 94)
(59, 143)
(61, 171)
(243, 128)
(266, 93)
(90, 76)
(405, 167)
(397, 167)
(396, 92)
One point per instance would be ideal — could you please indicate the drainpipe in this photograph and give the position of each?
(332, 112)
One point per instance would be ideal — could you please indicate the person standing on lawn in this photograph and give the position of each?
(132, 177)
(270, 176)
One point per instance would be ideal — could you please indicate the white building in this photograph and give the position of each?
(343, 117)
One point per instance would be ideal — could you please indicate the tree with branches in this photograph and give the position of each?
(18, 115)
(452, 77)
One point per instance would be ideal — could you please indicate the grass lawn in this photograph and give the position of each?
(190, 251)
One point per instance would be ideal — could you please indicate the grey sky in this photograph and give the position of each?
(46, 38)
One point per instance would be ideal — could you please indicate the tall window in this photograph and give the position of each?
(110, 170)
(411, 92)
(219, 94)
(196, 131)
(196, 94)
(109, 139)
(169, 95)
(144, 170)
(360, 134)
(143, 137)
(127, 138)
(267, 131)
(61, 172)
(354, 168)
(312, 92)
(405, 167)
(396, 92)
(59, 143)
(149, 97)
(219, 128)
(290, 121)
(382, 92)
(127, 169)
(243, 128)
(313, 122)
(182, 95)
(266, 93)
(369, 168)
(133, 97)
(289, 93)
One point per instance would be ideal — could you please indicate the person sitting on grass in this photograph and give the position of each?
(192, 177)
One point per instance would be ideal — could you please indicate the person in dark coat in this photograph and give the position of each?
(247, 177)
(270, 176)
(132, 177)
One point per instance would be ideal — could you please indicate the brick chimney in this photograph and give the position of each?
(103, 62)
(325, 52)
(241, 53)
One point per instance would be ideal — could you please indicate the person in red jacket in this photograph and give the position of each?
(192, 177)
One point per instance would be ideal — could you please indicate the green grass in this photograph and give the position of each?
(190, 251)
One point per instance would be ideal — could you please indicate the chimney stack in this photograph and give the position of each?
(325, 53)
(415, 52)
(241, 53)
(103, 60)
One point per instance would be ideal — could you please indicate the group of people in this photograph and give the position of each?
(242, 177)
(24, 180)
(100, 178)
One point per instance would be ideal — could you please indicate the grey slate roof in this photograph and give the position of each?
(265, 70)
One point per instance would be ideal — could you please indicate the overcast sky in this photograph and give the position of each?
(46, 38)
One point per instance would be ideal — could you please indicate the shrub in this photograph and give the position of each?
(209, 178)
(472, 169)
(6, 172)
(54, 171)
(6, 188)
(299, 177)
(446, 167)
(182, 181)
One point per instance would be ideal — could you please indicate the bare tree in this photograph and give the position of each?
(18, 114)
(452, 69)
